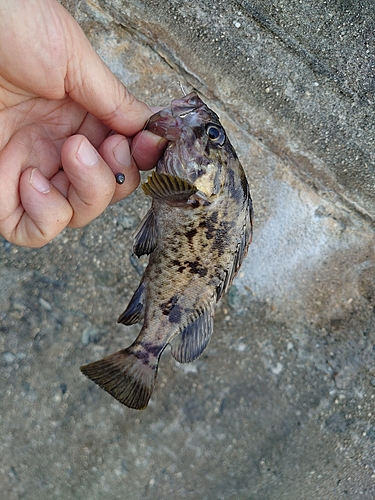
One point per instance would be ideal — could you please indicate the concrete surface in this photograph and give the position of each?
(282, 403)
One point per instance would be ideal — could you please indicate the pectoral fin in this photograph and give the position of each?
(168, 188)
(192, 341)
(145, 238)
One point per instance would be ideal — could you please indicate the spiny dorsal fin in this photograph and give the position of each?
(145, 238)
(128, 375)
(168, 188)
(135, 310)
(192, 341)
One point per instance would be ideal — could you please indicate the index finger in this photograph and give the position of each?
(90, 83)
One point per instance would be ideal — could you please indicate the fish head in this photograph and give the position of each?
(199, 149)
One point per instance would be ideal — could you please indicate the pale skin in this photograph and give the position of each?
(67, 125)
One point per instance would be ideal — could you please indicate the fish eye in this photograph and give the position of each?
(216, 134)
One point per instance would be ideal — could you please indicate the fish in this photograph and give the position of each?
(196, 233)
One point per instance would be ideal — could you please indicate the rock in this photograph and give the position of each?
(127, 221)
(45, 304)
(8, 357)
(91, 335)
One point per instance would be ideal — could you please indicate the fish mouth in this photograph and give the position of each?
(168, 122)
(164, 124)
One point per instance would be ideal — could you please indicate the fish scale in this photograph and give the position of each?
(197, 233)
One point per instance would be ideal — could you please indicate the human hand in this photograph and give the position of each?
(59, 104)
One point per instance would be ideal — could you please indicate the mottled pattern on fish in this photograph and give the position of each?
(197, 233)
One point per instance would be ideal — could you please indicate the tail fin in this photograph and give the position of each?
(128, 375)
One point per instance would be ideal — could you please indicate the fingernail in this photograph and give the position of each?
(162, 143)
(121, 153)
(39, 182)
(87, 155)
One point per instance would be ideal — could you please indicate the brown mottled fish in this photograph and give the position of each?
(197, 232)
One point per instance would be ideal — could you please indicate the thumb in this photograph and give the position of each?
(91, 84)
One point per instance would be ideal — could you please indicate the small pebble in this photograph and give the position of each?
(8, 357)
(91, 335)
(127, 221)
(45, 304)
(277, 369)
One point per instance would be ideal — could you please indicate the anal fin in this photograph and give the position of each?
(188, 345)
(128, 375)
(135, 310)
